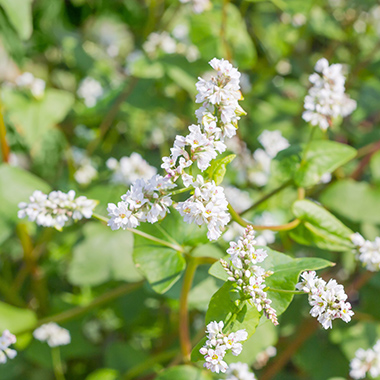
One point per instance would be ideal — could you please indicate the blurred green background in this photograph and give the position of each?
(120, 78)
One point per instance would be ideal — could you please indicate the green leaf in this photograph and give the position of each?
(103, 374)
(161, 266)
(322, 157)
(184, 372)
(218, 169)
(320, 228)
(34, 118)
(19, 13)
(16, 186)
(223, 307)
(15, 319)
(103, 255)
(356, 201)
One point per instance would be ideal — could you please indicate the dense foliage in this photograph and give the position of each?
(94, 95)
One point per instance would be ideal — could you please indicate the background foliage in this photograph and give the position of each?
(122, 327)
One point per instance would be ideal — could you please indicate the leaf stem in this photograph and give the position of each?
(283, 227)
(184, 333)
(180, 191)
(143, 234)
(284, 291)
(267, 196)
(57, 363)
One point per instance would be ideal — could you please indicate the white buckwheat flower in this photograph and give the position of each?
(35, 85)
(368, 252)
(199, 6)
(5, 352)
(249, 278)
(90, 90)
(207, 206)
(56, 209)
(218, 344)
(53, 334)
(326, 99)
(328, 300)
(239, 371)
(366, 361)
(217, 117)
(273, 142)
(130, 169)
(146, 201)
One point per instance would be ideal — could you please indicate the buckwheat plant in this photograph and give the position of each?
(259, 281)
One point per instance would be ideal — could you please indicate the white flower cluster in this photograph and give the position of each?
(86, 171)
(5, 341)
(35, 85)
(273, 142)
(218, 118)
(328, 300)
(368, 252)
(129, 169)
(199, 6)
(239, 371)
(366, 361)
(218, 344)
(249, 277)
(53, 334)
(326, 99)
(146, 201)
(178, 43)
(90, 90)
(56, 209)
(207, 206)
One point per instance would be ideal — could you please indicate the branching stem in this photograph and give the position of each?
(143, 234)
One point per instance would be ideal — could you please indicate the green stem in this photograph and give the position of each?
(267, 196)
(180, 191)
(284, 291)
(143, 234)
(57, 363)
(184, 330)
(283, 227)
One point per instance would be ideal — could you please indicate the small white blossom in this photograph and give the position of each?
(199, 6)
(129, 169)
(273, 142)
(35, 85)
(90, 90)
(5, 352)
(207, 206)
(249, 278)
(328, 300)
(218, 344)
(145, 201)
(53, 334)
(326, 99)
(368, 252)
(366, 361)
(56, 209)
(239, 371)
(86, 171)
